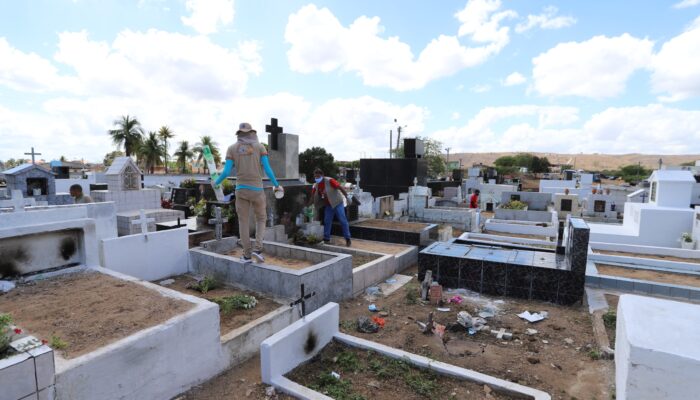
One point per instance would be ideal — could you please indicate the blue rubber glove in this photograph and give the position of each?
(268, 170)
(224, 174)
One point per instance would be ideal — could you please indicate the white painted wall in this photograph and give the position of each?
(657, 351)
(157, 255)
(647, 225)
(63, 185)
(159, 362)
(696, 224)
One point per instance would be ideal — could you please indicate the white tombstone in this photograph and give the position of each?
(17, 202)
(566, 204)
(657, 349)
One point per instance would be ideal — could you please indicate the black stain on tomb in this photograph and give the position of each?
(311, 341)
(9, 259)
(67, 248)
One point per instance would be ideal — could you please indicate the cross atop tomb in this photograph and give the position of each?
(143, 221)
(302, 300)
(32, 154)
(274, 130)
(219, 222)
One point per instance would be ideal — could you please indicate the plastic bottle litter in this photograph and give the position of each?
(335, 375)
(372, 307)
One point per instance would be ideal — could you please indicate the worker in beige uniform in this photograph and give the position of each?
(250, 158)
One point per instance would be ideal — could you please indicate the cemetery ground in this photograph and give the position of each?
(649, 275)
(230, 319)
(80, 312)
(561, 358)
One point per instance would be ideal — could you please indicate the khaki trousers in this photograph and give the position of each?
(245, 201)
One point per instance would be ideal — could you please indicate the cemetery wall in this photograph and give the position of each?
(650, 250)
(157, 255)
(647, 225)
(656, 351)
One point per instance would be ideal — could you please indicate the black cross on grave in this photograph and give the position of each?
(302, 300)
(274, 130)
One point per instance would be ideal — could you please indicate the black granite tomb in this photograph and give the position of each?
(498, 271)
(391, 176)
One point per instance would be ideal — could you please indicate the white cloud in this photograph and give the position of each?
(547, 20)
(645, 129)
(686, 3)
(676, 67)
(481, 20)
(137, 62)
(320, 43)
(514, 79)
(455, 116)
(596, 68)
(481, 88)
(29, 71)
(208, 15)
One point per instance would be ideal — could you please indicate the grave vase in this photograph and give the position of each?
(688, 245)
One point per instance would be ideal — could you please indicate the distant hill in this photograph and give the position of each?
(583, 161)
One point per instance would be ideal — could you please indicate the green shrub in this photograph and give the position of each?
(5, 333)
(207, 283)
(237, 302)
(188, 184)
(514, 205)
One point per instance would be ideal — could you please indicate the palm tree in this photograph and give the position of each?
(128, 132)
(62, 159)
(152, 151)
(165, 133)
(183, 155)
(207, 140)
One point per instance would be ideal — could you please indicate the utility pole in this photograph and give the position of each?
(448, 156)
(391, 134)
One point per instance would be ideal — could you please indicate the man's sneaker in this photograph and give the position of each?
(246, 260)
(348, 242)
(258, 255)
(326, 241)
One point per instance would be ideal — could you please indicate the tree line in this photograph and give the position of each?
(152, 149)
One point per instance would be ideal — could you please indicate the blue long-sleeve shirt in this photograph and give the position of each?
(264, 160)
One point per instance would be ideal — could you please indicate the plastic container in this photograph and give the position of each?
(279, 193)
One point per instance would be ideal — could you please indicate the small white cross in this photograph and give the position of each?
(143, 221)
(218, 233)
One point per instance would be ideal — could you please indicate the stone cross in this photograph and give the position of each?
(143, 221)
(219, 222)
(32, 154)
(302, 300)
(275, 131)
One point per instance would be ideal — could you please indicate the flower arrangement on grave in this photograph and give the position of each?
(164, 203)
(200, 208)
(514, 205)
(687, 237)
(237, 302)
(188, 184)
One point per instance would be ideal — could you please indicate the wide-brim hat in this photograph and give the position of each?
(245, 127)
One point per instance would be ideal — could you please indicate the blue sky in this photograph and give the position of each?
(477, 75)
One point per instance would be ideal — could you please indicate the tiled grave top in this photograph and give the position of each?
(496, 254)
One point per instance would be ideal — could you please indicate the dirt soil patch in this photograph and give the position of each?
(242, 382)
(648, 275)
(370, 245)
(87, 310)
(609, 321)
(360, 260)
(557, 359)
(518, 235)
(651, 256)
(286, 262)
(413, 227)
(236, 318)
(367, 375)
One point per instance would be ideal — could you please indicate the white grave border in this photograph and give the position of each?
(284, 351)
